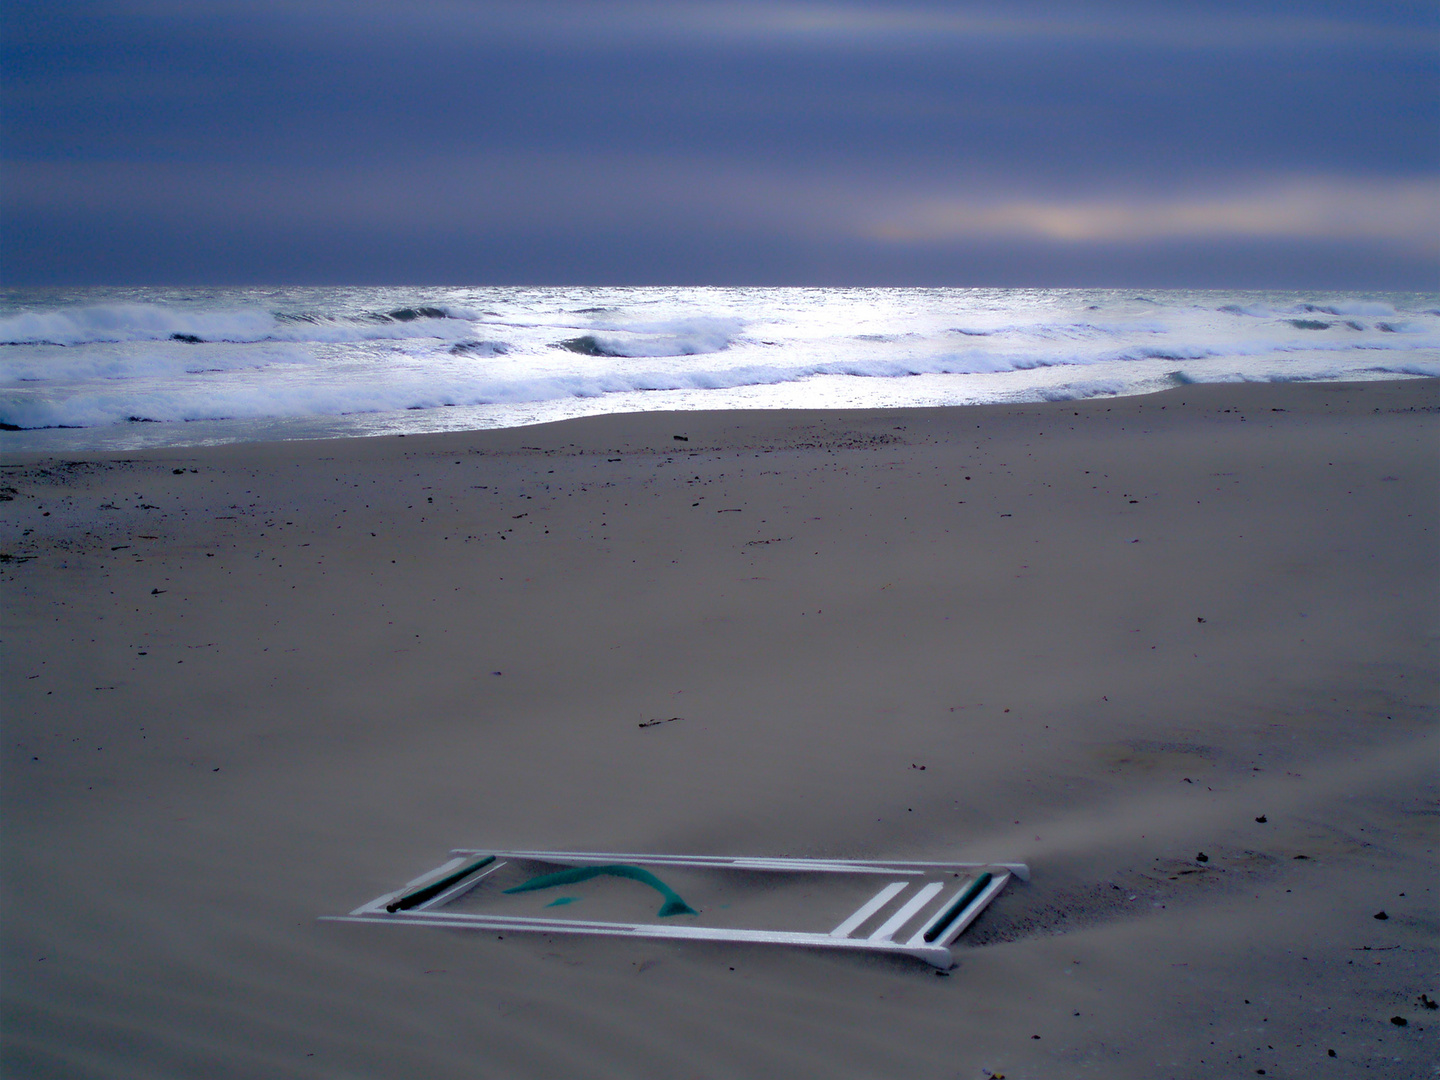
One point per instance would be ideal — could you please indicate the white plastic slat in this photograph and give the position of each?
(459, 889)
(972, 912)
(870, 907)
(809, 866)
(784, 863)
(932, 954)
(935, 921)
(379, 902)
(907, 912)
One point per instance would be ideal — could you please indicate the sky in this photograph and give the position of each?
(1134, 143)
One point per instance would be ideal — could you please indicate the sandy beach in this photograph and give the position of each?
(246, 686)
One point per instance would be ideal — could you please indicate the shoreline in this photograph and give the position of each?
(257, 683)
(1254, 393)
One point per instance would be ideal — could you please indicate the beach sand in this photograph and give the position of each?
(246, 686)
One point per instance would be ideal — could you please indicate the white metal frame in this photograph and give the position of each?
(934, 951)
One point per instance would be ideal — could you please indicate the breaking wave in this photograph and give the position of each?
(269, 355)
(157, 322)
(685, 337)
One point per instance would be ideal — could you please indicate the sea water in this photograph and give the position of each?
(135, 367)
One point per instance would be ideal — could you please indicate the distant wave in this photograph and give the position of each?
(158, 322)
(479, 348)
(678, 337)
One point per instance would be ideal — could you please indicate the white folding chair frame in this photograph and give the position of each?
(929, 943)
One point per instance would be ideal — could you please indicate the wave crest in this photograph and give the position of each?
(101, 323)
(677, 337)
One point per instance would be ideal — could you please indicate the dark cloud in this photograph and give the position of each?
(551, 141)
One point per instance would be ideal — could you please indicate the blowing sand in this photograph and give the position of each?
(246, 686)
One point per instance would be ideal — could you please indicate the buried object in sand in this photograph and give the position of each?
(912, 908)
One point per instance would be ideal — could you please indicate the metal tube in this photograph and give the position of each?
(961, 903)
(405, 901)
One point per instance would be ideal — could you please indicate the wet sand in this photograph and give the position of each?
(247, 686)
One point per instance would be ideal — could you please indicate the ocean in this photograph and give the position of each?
(127, 368)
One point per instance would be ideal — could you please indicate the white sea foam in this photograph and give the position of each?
(497, 356)
(1079, 391)
(156, 360)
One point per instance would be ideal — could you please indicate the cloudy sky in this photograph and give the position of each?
(1135, 143)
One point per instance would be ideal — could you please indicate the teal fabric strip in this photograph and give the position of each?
(673, 905)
